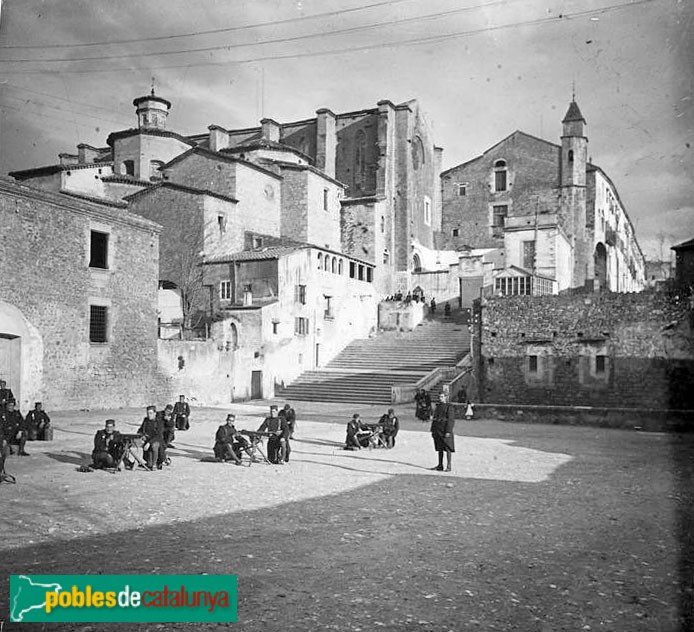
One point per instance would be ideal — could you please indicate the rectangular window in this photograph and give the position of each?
(225, 290)
(222, 224)
(301, 326)
(257, 242)
(275, 326)
(352, 270)
(500, 180)
(600, 364)
(462, 190)
(328, 313)
(325, 199)
(369, 275)
(300, 292)
(98, 252)
(529, 255)
(98, 323)
(532, 364)
(456, 232)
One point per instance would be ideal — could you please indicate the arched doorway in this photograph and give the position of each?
(21, 356)
(600, 265)
(233, 336)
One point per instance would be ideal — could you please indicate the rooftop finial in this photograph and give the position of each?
(152, 86)
(573, 90)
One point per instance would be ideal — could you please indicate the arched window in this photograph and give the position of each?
(127, 168)
(334, 265)
(339, 267)
(500, 182)
(416, 263)
(417, 152)
(360, 159)
(327, 263)
(320, 260)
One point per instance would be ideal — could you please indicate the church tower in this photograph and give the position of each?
(152, 111)
(574, 158)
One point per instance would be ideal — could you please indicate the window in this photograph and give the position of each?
(333, 265)
(369, 275)
(529, 255)
(257, 242)
(462, 190)
(222, 224)
(600, 364)
(127, 168)
(571, 155)
(416, 263)
(320, 260)
(339, 267)
(326, 263)
(532, 364)
(155, 169)
(98, 323)
(275, 326)
(225, 290)
(386, 256)
(300, 294)
(383, 224)
(456, 232)
(500, 175)
(98, 251)
(328, 314)
(301, 326)
(499, 214)
(427, 211)
(325, 199)
(352, 270)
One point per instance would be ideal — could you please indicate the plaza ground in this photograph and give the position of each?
(538, 528)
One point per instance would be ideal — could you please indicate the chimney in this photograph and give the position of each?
(326, 141)
(219, 138)
(270, 130)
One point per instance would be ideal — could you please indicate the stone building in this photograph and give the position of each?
(684, 263)
(78, 302)
(556, 218)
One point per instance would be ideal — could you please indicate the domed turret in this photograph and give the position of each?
(152, 111)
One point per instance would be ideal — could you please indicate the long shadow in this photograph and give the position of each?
(349, 455)
(72, 457)
(326, 442)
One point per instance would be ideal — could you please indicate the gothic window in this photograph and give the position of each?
(417, 152)
(360, 159)
(500, 170)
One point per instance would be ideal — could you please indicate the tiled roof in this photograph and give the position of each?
(48, 170)
(113, 136)
(261, 254)
(178, 187)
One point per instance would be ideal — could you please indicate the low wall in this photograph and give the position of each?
(399, 315)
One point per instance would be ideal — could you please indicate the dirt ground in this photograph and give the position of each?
(538, 528)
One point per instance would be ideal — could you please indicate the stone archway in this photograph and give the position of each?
(21, 356)
(600, 266)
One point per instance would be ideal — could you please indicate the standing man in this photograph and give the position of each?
(278, 448)
(152, 431)
(37, 422)
(106, 442)
(224, 441)
(15, 428)
(442, 431)
(4, 447)
(5, 396)
(181, 413)
(290, 413)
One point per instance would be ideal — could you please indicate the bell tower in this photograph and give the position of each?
(574, 158)
(152, 111)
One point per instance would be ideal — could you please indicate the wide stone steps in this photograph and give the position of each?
(367, 369)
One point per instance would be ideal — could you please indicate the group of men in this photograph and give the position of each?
(363, 435)
(16, 430)
(278, 427)
(156, 433)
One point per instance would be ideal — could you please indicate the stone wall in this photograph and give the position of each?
(50, 287)
(610, 350)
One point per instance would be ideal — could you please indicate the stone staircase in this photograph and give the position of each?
(366, 369)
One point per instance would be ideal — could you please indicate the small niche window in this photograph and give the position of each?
(257, 242)
(98, 250)
(383, 224)
(98, 324)
(386, 256)
(275, 327)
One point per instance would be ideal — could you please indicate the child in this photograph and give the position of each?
(469, 409)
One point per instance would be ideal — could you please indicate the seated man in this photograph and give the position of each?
(152, 431)
(278, 443)
(5, 396)
(107, 446)
(390, 424)
(15, 428)
(181, 413)
(227, 441)
(166, 419)
(357, 434)
(38, 422)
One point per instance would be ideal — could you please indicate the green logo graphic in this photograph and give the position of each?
(115, 598)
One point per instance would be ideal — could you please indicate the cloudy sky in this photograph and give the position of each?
(69, 70)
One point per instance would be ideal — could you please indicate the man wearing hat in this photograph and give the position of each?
(106, 442)
(166, 419)
(354, 428)
(15, 428)
(181, 413)
(442, 425)
(391, 426)
(37, 422)
(5, 396)
(278, 442)
(152, 431)
(226, 438)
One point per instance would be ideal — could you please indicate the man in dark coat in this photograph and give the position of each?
(37, 422)
(166, 419)
(442, 425)
(182, 413)
(391, 426)
(422, 405)
(225, 440)
(107, 443)
(290, 413)
(278, 448)
(15, 429)
(4, 447)
(5, 396)
(152, 431)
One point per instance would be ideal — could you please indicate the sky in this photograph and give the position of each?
(481, 69)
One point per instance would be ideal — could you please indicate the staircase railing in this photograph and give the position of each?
(458, 377)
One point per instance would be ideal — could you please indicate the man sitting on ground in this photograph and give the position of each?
(166, 419)
(15, 428)
(152, 431)
(37, 422)
(357, 434)
(227, 441)
(107, 444)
